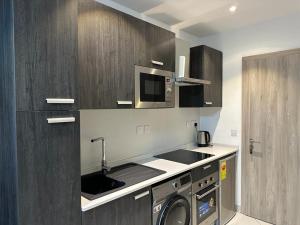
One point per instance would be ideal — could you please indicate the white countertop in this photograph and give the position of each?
(171, 168)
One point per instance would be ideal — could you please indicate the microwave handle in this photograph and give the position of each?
(210, 191)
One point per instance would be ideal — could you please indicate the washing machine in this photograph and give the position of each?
(172, 201)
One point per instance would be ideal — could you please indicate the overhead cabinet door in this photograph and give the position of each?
(48, 152)
(160, 47)
(106, 57)
(206, 64)
(46, 54)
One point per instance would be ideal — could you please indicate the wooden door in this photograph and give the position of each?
(48, 169)
(45, 54)
(271, 117)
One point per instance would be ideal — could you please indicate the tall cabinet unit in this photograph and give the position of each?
(42, 98)
(206, 64)
(8, 156)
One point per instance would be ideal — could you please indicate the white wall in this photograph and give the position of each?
(168, 129)
(278, 34)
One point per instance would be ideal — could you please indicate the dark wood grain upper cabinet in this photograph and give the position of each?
(45, 53)
(205, 63)
(133, 209)
(106, 56)
(160, 48)
(48, 169)
(110, 44)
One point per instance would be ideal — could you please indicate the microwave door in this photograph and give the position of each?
(152, 88)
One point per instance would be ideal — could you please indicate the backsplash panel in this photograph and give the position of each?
(163, 129)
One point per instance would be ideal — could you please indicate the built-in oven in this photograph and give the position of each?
(154, 88)
(205, 197)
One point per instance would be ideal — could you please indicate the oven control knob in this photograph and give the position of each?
(206, 181)
(200, 185)
(175, 185)
(212, 179)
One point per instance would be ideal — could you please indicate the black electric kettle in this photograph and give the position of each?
(203, 139)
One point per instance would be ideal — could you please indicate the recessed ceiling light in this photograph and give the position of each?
(233, 8)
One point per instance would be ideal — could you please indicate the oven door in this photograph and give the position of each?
(205, 206)
(153, 88)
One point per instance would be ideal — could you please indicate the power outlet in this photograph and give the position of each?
(147, 129)
(188, 124)
(140, 130)
(234, 133)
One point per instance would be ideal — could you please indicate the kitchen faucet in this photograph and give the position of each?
(105, 169)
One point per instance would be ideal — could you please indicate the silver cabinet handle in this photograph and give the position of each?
(61, 120)
(199, 197)
(137, 197)
(124, 102)
(208, 103)
(60, 100)
(206, 167)
(157, 63)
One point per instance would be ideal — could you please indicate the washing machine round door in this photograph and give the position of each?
(176, 211)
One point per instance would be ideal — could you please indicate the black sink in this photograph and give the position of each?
(95, 184)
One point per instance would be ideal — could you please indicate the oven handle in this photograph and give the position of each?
(210, 191)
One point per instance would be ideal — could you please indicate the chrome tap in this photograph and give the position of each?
(105, 169)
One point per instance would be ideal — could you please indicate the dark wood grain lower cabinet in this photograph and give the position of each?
(48, 169)
(133, 209)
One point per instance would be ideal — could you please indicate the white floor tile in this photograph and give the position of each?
(241, 219)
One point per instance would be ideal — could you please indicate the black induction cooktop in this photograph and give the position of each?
(184, 156)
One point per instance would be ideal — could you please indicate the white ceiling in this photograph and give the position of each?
(206, 17)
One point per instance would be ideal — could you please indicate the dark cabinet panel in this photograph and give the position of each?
(205, 63)
(48, 169)
(110, 44)
(131, 51)
(106, 59)
(8, 156)
(160, 47)
(45, 53)
(213, 71)
(133, 209)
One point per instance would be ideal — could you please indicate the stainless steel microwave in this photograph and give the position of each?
(154, 88)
